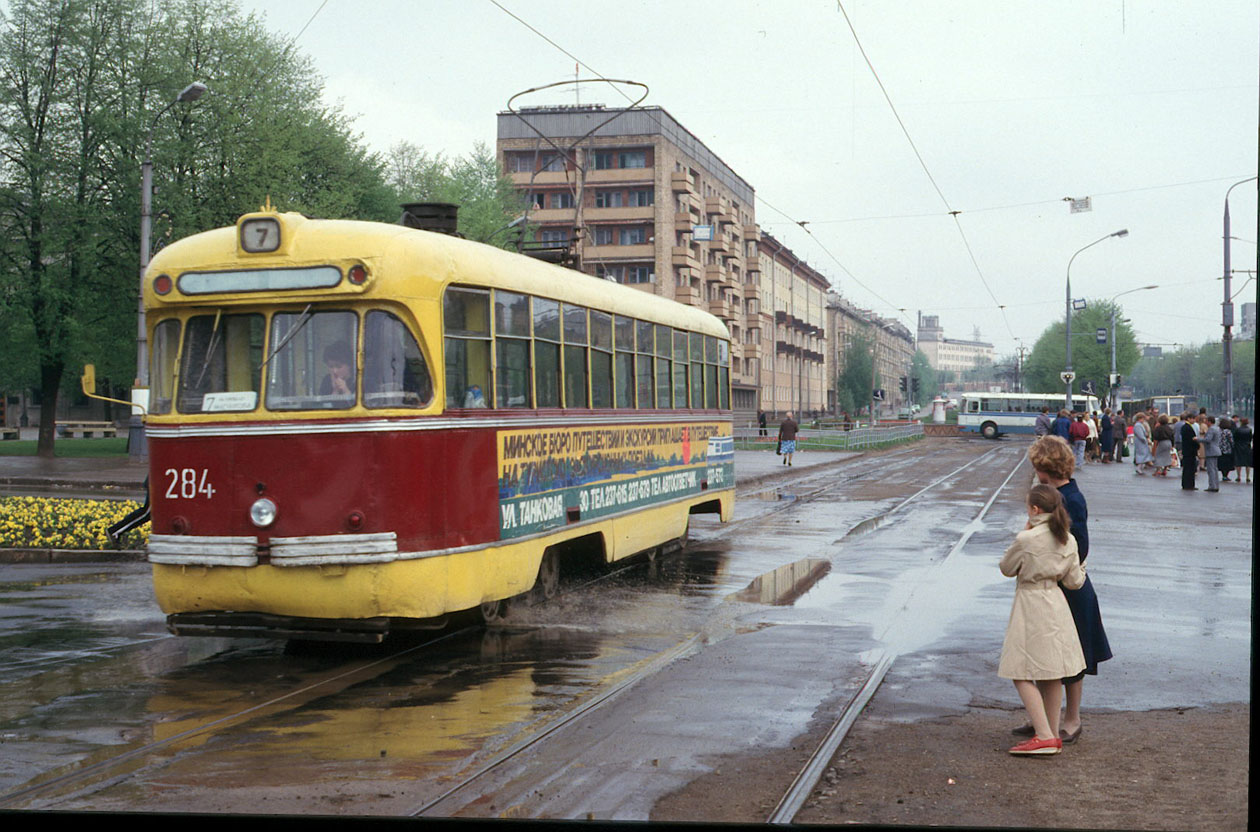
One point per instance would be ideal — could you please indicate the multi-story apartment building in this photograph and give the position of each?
(950, 354)
(642, 201)
(891, 341)
(789, 347)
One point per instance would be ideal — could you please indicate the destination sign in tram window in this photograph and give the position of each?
(222, 363)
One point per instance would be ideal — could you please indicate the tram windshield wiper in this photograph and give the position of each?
(288, 336)
(210, 345)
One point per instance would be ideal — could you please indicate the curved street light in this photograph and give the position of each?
(1111, 386)
(140, 393)
(1227, 312)
(1067, 306)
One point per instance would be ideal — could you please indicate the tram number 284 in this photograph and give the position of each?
(187, 483)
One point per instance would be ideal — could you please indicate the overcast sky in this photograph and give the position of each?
(1150, 108)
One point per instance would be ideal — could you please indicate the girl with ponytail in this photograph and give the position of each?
(1041, 646)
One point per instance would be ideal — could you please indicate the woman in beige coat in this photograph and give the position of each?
(1041, 646)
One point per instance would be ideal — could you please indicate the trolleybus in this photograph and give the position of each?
(992, 414)
(1173, 404)
(356, 427)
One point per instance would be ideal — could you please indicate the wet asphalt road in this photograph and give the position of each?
(789, 613)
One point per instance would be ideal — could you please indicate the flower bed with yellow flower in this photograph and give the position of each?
(61, 523)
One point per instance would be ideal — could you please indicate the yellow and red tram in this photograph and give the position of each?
(358, 427)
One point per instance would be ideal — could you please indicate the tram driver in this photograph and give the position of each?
(340, 363)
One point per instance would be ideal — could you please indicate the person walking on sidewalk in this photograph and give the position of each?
(1189, 452)
(1041, 646)
(1242, 448)
(1210, 441)
(1053, 464)
(1225, 462)
(787, 438)
(1044, 422)
(1142, 457)
(1079, 433)
(761, 423)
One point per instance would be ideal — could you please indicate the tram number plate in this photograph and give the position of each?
(187, 483)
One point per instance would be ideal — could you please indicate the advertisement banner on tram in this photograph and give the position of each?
(545, 474)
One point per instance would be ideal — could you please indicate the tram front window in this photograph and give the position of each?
(162, 366)
(312, 361)
(394, 371)
(222, 358)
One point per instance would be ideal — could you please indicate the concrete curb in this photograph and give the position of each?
(71, 556)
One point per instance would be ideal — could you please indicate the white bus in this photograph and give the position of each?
(992, 414)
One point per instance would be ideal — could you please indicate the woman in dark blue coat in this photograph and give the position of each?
(1054, 464)
(1105, 436)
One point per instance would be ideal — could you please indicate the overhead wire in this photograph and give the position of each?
(923, 164)
(654, 117)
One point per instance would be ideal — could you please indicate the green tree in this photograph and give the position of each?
(854, 384)
(1091, 361)
(922, 371)
(488, 201)
(84, 86)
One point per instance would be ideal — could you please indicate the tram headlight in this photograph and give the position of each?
(262, 513)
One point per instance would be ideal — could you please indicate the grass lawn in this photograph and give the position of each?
(108, 446)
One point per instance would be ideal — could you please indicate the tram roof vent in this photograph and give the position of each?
(442, 217)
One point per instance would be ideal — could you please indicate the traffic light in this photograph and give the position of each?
(914, 385)
(903, 384)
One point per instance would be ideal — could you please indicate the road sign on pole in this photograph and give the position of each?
(1067, 376)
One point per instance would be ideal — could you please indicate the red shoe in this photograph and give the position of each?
(1036, 746)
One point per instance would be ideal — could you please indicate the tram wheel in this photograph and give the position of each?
(493, 612)
(547, 585)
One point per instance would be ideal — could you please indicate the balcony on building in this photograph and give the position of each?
(621, 176)
(638, 251)
(624, 213)
(714, 271)
(684, 256)
(680, 182)
(543, 178)
(689, 294)
(721, 307)
(684, 221)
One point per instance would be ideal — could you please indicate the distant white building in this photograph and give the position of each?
(950, 354)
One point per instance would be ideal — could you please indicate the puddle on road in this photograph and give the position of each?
(783, 586)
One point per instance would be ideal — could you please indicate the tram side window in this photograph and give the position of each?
(312, 361)
(162, 366)
(575, 337)
(601, 359)
(664, 342)
(394, 371)
(466, 319)
(547, 352)
(645, 378)
(623, 376)
(222, 359)
(697, 370)
(724, 375)
(710, 372)
(680, 368)
(513, 376)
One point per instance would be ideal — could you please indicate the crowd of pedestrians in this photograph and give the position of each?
(1157, 442)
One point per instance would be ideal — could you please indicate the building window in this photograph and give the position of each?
(562, 199)
(633, 236)
(538, 200)
(519, 162)
(639, 274)
(554, 235)
(552, 162)
(642, 198)
(632, 159)
(608, 199)
(603, 235)
(609, 272)
(601, 161)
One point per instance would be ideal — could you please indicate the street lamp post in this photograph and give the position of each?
(1112, 379)
(1227, 313)
(1124, 232)
(140, 392)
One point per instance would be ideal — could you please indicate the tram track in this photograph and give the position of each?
(128, 763)
(806, 780)
(95, 776)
